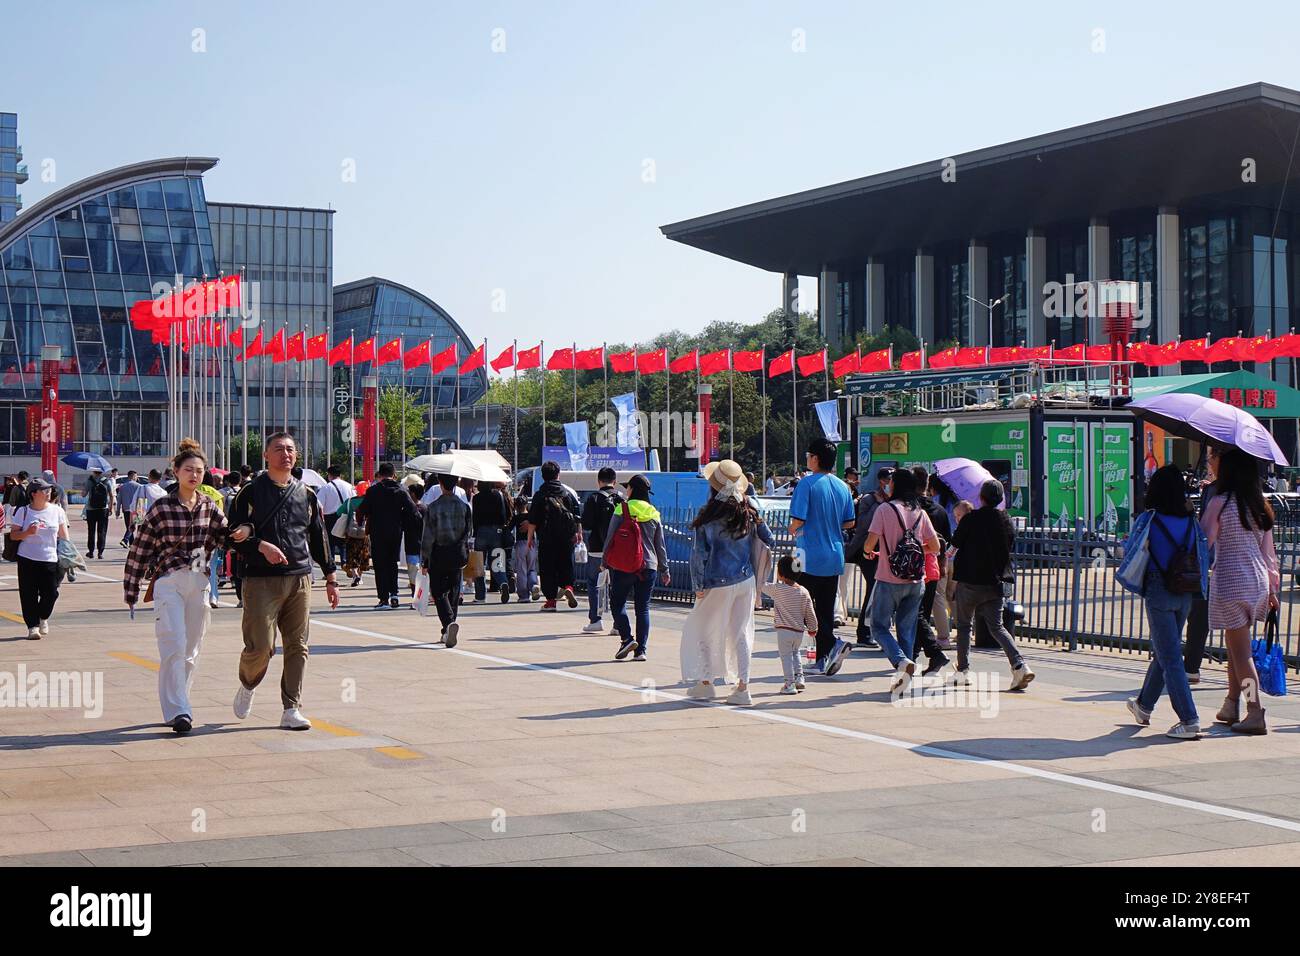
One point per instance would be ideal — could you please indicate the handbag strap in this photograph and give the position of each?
(259, 525)
(1271, 628)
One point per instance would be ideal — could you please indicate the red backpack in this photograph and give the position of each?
(624, 551)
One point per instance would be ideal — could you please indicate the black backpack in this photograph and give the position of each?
(609, 500)
(907, 560)
(97, 500)
(1183, 576)
(558, 523)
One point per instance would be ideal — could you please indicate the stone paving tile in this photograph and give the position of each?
(668, 856)
(194, 851)
(372, 857)
(805, 847)
(370, 838)
(64, 858)
(475, 852)
(515, 825)
(701, 833)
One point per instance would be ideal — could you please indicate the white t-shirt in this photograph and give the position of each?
(434, 493)
(332, 494)
(43, 545)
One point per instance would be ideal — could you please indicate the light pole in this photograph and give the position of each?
(990, 306)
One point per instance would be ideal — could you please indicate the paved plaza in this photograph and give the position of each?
(528, 745)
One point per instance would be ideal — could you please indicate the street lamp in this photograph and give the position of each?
(990, 306)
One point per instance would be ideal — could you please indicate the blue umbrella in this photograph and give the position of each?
(86, 461)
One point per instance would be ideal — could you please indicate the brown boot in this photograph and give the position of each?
(1230, 712)
(1253, 723)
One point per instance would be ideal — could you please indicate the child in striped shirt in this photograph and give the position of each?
(794, 613)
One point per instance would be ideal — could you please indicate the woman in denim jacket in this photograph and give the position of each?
(1169, 527)
(718, 636)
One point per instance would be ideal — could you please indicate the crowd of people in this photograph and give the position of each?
(931, 562)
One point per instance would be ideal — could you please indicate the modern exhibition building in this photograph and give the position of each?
(1196, 201)
(73, 264)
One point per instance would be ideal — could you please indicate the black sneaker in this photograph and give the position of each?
(936, 665)
(626, 648)
(101, 555)
(182, 724)
(505, 594)
(866, 640)
(392, 601)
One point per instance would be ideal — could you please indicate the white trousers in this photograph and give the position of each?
(180, 601)
(718, 636)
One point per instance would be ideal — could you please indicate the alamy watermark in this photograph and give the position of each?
(1086, 298)
(982, 694)
(53, 690)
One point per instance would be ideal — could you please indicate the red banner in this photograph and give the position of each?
(529, 358)
(685, 363)
(418, 356)
(473, 362)
(715, 362)
(589, 359)
(623, 362)
(560, 360)
(747, 361)
(781, 364)
(647, 363)
(504, 360)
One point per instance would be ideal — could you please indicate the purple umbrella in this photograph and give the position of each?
(964, 477)
(1208, 420)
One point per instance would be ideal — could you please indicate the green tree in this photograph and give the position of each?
(395, 406)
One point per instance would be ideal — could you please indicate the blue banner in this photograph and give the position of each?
(576, 442)
(629, 433)
(599, 456)
(828, 413)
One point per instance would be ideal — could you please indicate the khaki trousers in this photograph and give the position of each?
(280, 602)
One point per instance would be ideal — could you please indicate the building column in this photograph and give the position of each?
(1035, 280)
(790, 293)
(1167, 291)
(923, 272)
(1098, 271)
(828, 318)
(977, 275)
(874, 317)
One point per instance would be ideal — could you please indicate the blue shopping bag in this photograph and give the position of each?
(1132, 570)
(1269, 660)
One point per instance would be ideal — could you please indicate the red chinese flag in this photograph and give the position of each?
(1100, 353)
(685, 363)
(1142, 352)
(560, 359)
(781, 364)
(812, 364)
(474, 362)
(647, 363)
(1192, 350)
(1284, 346)
(1248, 350)
(529, 358)
(296, 348)
(1002, 354)
(443, 360)
(945, 359)
(236, 338)
(317, 347)
(910, 361)
(1073, 353)
(341, 352)
(589, 359)
(254, 349)
(1040, 353)
(1224, 350)
(418, 356)
(161, 336)
(505, 359)
(1166, 354)
(389, 352)
(622, 361)
(715, 362)
(878, 361)
(971, 355)
(846, 364)
(747, 361)
(275, 347)
(365, 352)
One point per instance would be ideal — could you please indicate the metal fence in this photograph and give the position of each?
(1065, 580)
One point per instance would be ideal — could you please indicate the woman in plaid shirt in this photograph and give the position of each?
(173, 546)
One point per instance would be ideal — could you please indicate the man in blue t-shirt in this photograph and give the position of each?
(820, 509)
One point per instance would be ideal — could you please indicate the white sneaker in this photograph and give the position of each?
(702, 692)
(33, 634)
(1143, 717)
(1020, 677)
(1183, 731)
(902, 676)
(789, 689)
(294, 720)
(740, 698)
(961, 678)
(595, 627)
(243, 702)
(45, 628)
(1193, 677)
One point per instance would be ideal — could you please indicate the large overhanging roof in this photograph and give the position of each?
(1184, 154)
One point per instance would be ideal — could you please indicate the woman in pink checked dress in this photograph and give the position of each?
(1238, 524)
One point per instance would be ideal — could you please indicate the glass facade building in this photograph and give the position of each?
(385, 310)
(13, 172)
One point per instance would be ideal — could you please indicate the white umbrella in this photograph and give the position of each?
(462, 466)
(312, 479)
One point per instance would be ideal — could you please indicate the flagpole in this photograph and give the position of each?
(794, 413)
(604, 371)
(514, 355)
(352, 407)
(541, 367)
(573, 356)
(401, 347)
(243, 339)
(304, 400)
(668, 415)
(486, 382)
(826, 365)
(457, 406)
(731, 402)
(762, 377)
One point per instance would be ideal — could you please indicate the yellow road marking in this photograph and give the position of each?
(400, 753)
(334, 729)
(133, 659)
(12, 617)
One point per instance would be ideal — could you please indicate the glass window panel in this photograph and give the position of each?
(103, 258)
(45, 253)
(17, 256)
(50, 279)
(72, 245)
(281, 243)
(153, 217)
(122, 197)
(177, 194)
(188, 261)
(281, 217)
(268, 242)
(76, 263)
(292, 241)
(196, 195)
(150, 195)
(183, 218)
(161, 263)
(131, 257)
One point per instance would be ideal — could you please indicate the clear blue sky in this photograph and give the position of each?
(522, 170)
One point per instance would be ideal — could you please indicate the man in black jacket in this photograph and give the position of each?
(386, 510)
(553, 520)
(444, 551)
(285, 534)
(491, 512)
(596, 512)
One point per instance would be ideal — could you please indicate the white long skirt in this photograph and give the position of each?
(718, 637)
